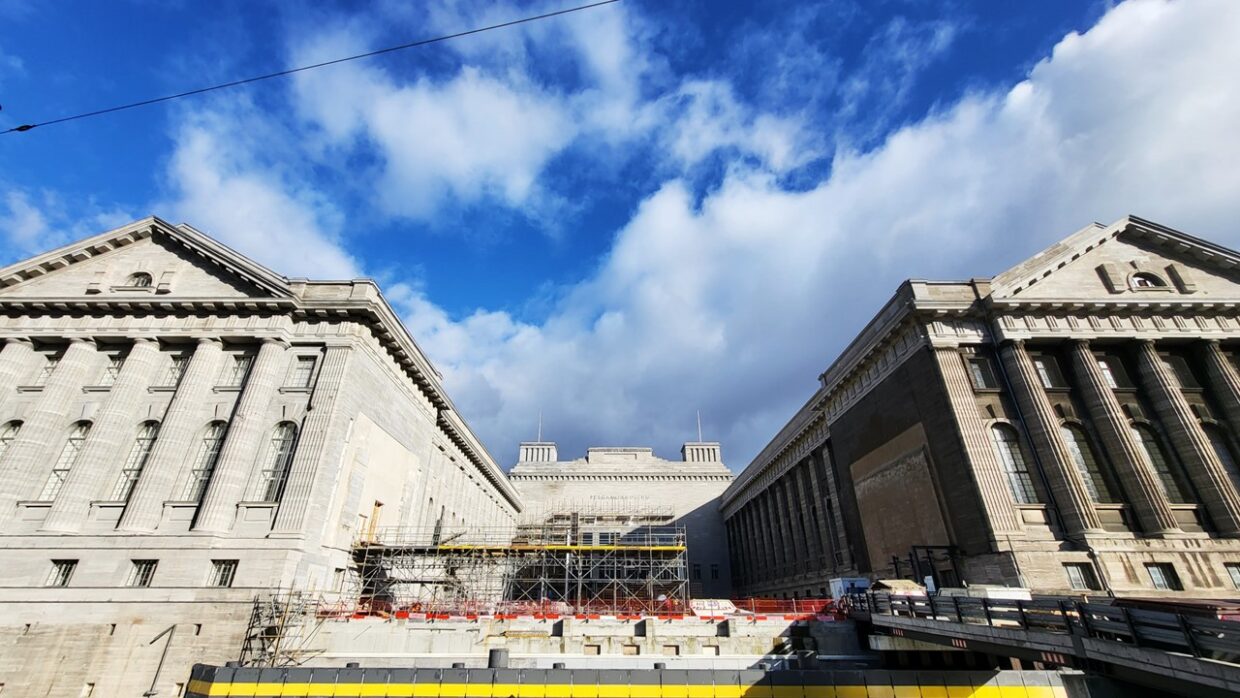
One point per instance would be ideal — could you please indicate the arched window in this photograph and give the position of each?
(276, 462)
(204, 461)
(1007, 449)
(1146, 280)
(1223, 449)
(139, 280)
(1168, 476)
(8, 433)
(138, 455)
(64, 463)
(1083, 457)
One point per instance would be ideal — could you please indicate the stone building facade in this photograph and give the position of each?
(635, 485)
(182, 429)
(1068, 425)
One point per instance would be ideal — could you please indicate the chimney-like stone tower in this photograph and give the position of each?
(701, 452)
(538, 452)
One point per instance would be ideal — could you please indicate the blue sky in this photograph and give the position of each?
(625, 215)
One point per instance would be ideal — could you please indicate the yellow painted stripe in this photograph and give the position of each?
(460, 690)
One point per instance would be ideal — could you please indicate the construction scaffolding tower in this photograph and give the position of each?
(282, 625)
(579, 561)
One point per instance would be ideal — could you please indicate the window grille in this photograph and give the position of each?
(276, 462)
(46, 371)
(1048, 372)
(222, 573)
(235, 374)
(1233, 571)
(204, 462)
(1083, 457)
(64, 463)
(1108, 374)
(1007, 449)
(61, 573)
(142, 573)
(1222, 448)
(981, 373)
(139, 280)
(1163, 576)
(113, 371)
(303, 372)
(1080, 576)
(176, 369)
(1168, 479)
(139, 453)
(8, 433)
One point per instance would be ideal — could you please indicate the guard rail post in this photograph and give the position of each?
(1132, 629)
(1187, 629)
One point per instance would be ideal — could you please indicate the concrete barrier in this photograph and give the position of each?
(208, 681)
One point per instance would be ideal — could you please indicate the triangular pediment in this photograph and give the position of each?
(1132, 260)
(145, 260)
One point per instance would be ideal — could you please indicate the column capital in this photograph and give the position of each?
(206, 341)
(1211, 341)
(144, 340)
(1143, 342)
(82, 340)
(278, 341)
(18, 340)
(1078, 342)
(1013, 342)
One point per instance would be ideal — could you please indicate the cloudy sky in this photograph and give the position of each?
(623, 216)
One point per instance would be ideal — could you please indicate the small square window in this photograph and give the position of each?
(981, 373)
(222, 573)
(142, 574)
(1233, 571)
(1163, 576)
(1081, 576)
(303, 372)
(61, 573)
(1048, 371)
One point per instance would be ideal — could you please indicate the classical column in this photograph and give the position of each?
(174, 447)
(812, 549)
(780, 521)
(244, 443)
(1208, 474)
(832, 515)
(996, 496)
(796, 522)
(112, 435)
(821, 531)
(1137, 476)
(16, 358)
(1067, 484)
(1224, 381)
(27, 460)
(753, 533)
(298, 489)
(773, 552)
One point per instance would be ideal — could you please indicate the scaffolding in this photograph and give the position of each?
(282, 626)
(570, 562)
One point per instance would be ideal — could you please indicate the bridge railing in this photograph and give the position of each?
(1174, 632)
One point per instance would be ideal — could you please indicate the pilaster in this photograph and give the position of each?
(174, 447)
(244, 443)
(1067, 483)
(105, 448)
(1140, 483)
(996, 497)
(1224, 381)
(290, 519)
(1213, 484)
(27, 458)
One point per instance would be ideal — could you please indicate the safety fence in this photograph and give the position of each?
(648, 683)
(751, 608)
(1176, 632)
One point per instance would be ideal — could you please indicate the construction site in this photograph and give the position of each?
(594, 585)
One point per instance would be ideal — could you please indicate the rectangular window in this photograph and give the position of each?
(303, 372)
(176, 369)
(222, 573)
(607, 538)
(236, 370)
(1163, 576)
(115, 363)
(1233, 571)
(1113, 372)
(46, 371)
(1179, 366)
(981, 373)
(1048, 371)
(697, 571)
(61, 573)
(142, 574)
(714, 571)
(1081, 576)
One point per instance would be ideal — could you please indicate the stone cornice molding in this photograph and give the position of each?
(459, 433)
(601, 477)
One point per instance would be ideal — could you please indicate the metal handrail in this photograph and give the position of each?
(1176, 632)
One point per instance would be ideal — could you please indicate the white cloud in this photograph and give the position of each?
(735, 304)
(35, 221)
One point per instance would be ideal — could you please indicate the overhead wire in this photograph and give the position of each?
(282, 73)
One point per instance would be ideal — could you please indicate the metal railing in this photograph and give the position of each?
(1174, 632)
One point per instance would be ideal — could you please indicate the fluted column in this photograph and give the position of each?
(996, 495)
(1067, 484)
(27, 461)
(16, 359)
(832, 515)
(1207, 472)
(307, 459)
(174, 447)
(244, 443)
(1137, 475)
(794, 524)
(770, 534)
(823, 532)
(108, 442)
(1224, 381)
(757, 561)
